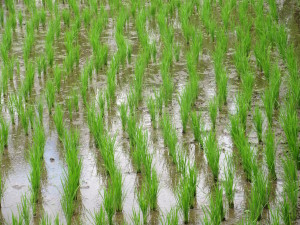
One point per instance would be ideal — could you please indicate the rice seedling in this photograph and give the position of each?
(270, 152)
(99, 217)
(215, 212)
(58, 120)
(274, 84)
(152, 109)
(213, 112)
(50, 95)
(143, 201)
(66, 17)
(15, 220)
(289, 123)
(197, 125)
(212, 153)
(258, 122)
(222, 89)
(171, 218)
(228, 184)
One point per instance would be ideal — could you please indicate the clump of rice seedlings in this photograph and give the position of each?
(290, 188)
(66, 17)
(58, 120)
(242, 109)
(45, 220)
(213, 112)
(24, 119)
(50, 95)
(169, 135)
(289, 123)
(197, 126)
(101, 103)
(40, 109)
(215, 213)
(129, 52)
(71, 178)
(229, 181)
(258, 122)
(153, 188)
(43, 17)
(270, 152)
(143, 201)
(10, 105)
(136, 218)
(4, 132)
(109, 204)
(259, 195)
(24, 210)
(212, 153)
(222, 89)
(183, 199)
(171, 217)
(274, 84)
(99, 217)
(35, 175)
(152, 109)
(57, 78)
(117, 183)
(123, 113)
(185, 106)
(274, 217)
(285, 211)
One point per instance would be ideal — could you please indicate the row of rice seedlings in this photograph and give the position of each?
(71, 180)
(36, 161)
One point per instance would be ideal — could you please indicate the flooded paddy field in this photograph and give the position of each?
(149, 112)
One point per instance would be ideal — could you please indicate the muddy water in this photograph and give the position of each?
(16, 169)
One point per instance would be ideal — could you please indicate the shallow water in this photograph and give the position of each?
(15, 166)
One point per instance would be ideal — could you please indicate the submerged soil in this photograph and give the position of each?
(16, 168)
